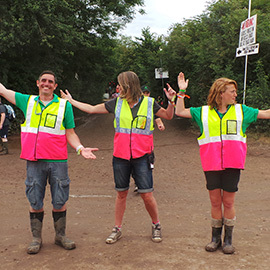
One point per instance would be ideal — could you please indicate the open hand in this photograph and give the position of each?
(66, 95)
(87, 153)
(182, 83)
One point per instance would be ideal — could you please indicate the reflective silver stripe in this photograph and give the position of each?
(224, 138)
(52, 131)
(142, 131)
(239, 118)
(149, 114)
(117, 112)
(205, 112)
(30, 107)
(122, 130)
(234, 138)
(209, 140)
(29, 129)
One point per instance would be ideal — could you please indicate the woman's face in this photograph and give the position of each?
(229, 96)
(119, 88)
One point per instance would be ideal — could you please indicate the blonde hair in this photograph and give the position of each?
(130, 84)
(217, 88)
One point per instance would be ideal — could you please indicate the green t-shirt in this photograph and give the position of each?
(249, 116)
(68, 121)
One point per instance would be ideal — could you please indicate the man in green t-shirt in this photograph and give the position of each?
(49, 125)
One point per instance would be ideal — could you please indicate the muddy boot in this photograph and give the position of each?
(36, 227)
(216, 235)
(60, 228)
(5, 148)
(227, 245)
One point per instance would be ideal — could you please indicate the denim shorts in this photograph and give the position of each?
(139, 168)
(38, 173)
(227, 179)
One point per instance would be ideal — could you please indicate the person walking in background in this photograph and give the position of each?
(49, 125)
(133, 145)
(159, 123)
(4, 126)
(223, 148)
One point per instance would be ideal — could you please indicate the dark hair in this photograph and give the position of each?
(145, 89)
(47, 72)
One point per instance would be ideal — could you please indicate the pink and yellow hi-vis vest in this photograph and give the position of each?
(133, 137)
(43, 135)
(222, 143)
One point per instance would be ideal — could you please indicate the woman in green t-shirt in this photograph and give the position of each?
(223, 124)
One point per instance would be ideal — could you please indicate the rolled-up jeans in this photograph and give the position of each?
(41, 172)
(138, 168)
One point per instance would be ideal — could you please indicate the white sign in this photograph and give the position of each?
(161, 74)
(247, 50)
(248, 31)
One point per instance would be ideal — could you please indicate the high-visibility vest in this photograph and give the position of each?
(222, 143)
(43, 135)
(133, 137)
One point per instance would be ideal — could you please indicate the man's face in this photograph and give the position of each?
(146, 94)
(46, 84)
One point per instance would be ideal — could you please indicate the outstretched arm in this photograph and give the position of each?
(180, 105)
(74, 141)
(100, 108)
(264, 114)
(7, 94)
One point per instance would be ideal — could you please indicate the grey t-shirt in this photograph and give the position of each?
(110, 106)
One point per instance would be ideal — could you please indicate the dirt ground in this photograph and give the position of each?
(182, 199)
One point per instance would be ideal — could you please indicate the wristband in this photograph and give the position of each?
(180, 96)
(79, 149)
(182, 90)
(171, 102)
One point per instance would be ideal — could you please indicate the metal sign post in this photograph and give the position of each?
(162, 74)
(246, 61)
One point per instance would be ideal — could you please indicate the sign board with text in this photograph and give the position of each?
(248, 31)
(161, 74)
(247, 50)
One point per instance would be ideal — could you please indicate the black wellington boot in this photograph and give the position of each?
(216, 235)
(60, 231)
(36, 227)
(227, 247)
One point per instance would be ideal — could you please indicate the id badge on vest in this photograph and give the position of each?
(50, 120)
(231, 127)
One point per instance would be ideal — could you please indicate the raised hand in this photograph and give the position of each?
(182, 83)
(170, 93)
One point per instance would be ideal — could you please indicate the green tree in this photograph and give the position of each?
(204, 47)
(142, 56)
(74, 38)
